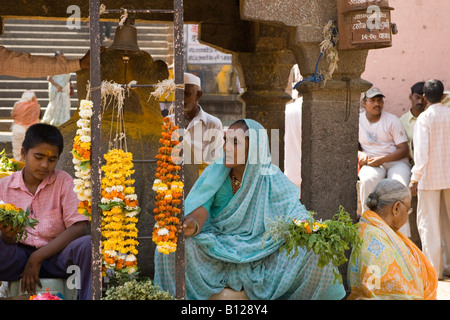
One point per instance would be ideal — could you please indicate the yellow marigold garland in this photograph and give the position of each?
(168, 190)
(120, 208)
(81, 152)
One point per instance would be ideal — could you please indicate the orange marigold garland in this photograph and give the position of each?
(81, 152)
(168, 188)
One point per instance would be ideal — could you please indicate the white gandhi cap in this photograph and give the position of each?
(189, 78)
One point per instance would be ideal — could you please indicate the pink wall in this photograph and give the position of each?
(420, 51)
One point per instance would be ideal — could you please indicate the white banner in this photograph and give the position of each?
(197, 53)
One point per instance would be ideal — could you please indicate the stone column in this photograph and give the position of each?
(330, 125)
(264, 74)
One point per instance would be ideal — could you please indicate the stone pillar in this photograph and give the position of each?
(330, 116)
(264, 74)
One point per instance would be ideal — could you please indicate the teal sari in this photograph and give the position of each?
(231, 250)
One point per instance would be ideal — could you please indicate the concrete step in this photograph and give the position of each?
(6, 121)
(8, 103)
(44, 37)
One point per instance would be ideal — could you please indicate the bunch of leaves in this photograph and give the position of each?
(17, 218)
(330, 242)
(143, 289)
(7, 164)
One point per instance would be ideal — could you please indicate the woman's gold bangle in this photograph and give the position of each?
(197, 229)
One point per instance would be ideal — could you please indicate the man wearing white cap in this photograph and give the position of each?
(204, 132)
(384, 148)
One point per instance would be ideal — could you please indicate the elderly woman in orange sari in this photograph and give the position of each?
(389, 265)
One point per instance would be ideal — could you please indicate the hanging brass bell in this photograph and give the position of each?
(125, 38)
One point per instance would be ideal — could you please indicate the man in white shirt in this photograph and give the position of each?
(430, 178)
(204, 132)
(384, 148)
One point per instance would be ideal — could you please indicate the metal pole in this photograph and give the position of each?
(139, 11)
(95, 81)
(178, 33)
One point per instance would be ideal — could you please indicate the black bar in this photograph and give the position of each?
(178, 35)
(137, 85)
(96, 122)
(140, 10)
(138, 161)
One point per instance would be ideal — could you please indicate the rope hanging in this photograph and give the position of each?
(327, 47)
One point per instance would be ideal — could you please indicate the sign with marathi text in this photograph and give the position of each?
(364, 24)
(363, 31)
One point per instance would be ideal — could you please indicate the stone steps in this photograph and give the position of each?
(44, 37)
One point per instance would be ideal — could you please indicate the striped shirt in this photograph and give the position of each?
(432, 148)
(54, 204)
(25, 65)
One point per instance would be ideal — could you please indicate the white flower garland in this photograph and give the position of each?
(82, 158)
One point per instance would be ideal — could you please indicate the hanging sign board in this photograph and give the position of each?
(364, 24)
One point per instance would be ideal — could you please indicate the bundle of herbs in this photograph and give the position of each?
(329, 239)
(17, 218)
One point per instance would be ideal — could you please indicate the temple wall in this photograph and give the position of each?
(420, 51)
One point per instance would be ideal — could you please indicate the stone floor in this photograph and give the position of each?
(444, 289)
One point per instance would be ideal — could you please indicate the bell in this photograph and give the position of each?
(125, 38)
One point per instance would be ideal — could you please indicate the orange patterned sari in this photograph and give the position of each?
(389, 265)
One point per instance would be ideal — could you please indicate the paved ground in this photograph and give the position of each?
(444, 289)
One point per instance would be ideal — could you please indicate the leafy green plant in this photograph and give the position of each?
(17, 218)
(137, 290)
(329, 239)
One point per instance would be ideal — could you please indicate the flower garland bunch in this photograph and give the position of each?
(120, 208)
(168, 188)
(81, 153)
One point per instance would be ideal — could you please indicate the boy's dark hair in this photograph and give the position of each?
(433, 90)
(418, 88)
(43, 133)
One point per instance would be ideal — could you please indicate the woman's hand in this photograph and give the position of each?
(189, 226)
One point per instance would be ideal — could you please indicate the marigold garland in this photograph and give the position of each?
(168, 190)
(81, 153)
(120, 207)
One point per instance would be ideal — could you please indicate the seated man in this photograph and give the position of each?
(59, 240)
(384, 148)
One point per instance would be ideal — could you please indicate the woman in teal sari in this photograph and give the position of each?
(228, 211)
